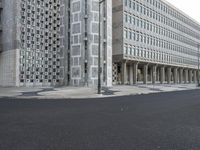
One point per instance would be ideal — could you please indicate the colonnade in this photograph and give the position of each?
(135, 72)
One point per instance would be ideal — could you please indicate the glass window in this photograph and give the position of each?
(130, 3)
(126, 2)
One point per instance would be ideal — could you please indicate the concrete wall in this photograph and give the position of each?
(9, 68)
(64, 43)
(9, 57)
(76, 61)
(84, 29)
(109, 43)
(9, 24)
(117, 27)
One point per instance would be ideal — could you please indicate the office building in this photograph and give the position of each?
(153, 42)
(56, 42)
(84, 42)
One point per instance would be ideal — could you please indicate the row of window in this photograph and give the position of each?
(41, 3)
(150, 26)
(39, 61)
(43, 69)
(39, 40)
(144, 10)
(150, 54)
(37, 31)
(170, 11)
(39, 81)
(155, 41)
(47, 48)
(164, 8)
(41, 24)
(40, 15)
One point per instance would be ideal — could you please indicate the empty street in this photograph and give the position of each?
(165, 121)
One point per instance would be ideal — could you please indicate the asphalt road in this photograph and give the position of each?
(165, 121)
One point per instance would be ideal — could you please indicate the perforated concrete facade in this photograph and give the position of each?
(40, 42)
(32, 43)
(55, 42)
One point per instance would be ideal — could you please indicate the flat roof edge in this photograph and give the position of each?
(181, 11)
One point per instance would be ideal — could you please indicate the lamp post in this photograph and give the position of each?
(198, 66)
(99, 49)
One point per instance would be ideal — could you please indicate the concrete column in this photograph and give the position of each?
(162, 75)
(169, 71)
(186, 76)
(131, 74)
(150, 78)
(145, 74)
(190, 76)
(181, 76)
(195, 76)
(154, 69)
(135, 73)
(157, 74)
(124, 73)
(178, 76)
(175, 76)
(198, 74)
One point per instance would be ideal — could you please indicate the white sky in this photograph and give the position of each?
(190, 7)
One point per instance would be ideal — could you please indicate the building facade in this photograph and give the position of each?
(31, 43)
(54, 42)
(159, 43)
(84, 42)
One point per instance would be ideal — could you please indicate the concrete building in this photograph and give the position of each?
(31, 43)
(83, 48)
(54, 42)
(153, 42)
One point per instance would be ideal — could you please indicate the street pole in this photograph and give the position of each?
(99, 50)
(198, 65)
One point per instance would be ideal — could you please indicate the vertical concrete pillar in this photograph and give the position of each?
(124, 73)
(198, 75)
(190, 76)
(162, 75)
(195, 76)
(169, 71)
(135, 73)
(175, 75)
(186, 76)
(150, 78)
(145, 74)
(154, 68)
(131, 74)
(157, 74)
(180, 75)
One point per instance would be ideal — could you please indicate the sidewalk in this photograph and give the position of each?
(83, 92)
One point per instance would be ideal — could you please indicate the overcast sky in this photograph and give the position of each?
(190, 7)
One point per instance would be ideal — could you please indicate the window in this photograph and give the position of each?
(130, 3)
(126, 2)
(126, 18)
(130, 35)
